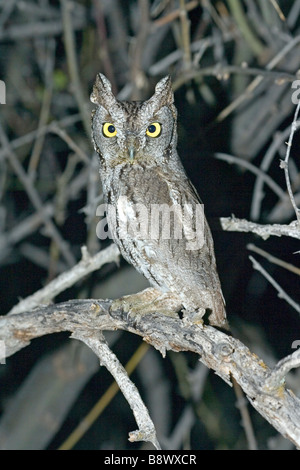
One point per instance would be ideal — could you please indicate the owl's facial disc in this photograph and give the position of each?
(132, 132)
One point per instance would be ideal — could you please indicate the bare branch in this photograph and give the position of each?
(267, 179)
(258, 192)
(173, 15)
(65, 136)
(68, 278)
(285, 163)
(250, 37)
(69, 39)
(281, 293)
(36, 200)
(185, 35)
(39, 29)
(97, 343)
(224, 354)
(278, 9)
(137, 74)
(232, 224)
(254, 84)
(220, 71)
(274, 259)
(30, 136)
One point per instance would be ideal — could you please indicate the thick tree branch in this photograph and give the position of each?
(226, 355)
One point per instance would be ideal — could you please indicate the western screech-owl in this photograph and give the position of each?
(153, 211)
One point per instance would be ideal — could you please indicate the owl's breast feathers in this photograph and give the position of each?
(157, 220)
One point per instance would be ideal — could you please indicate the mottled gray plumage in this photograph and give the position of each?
(147, 170)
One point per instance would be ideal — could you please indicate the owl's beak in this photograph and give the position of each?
(131, 152)
(131, 146)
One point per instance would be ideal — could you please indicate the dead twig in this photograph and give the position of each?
(67, 279)
(36, 201)
(185, 35)
(281, 293)
(222, 72)
(258, 193)
(173, 15)
(97, 343)
(254, 84)
(69, 39)
(103, 402)
(285, 163)
(232, 224)
(273, 259)
(244, 163)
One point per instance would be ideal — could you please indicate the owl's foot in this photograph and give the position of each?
(148, 301)
(194, 316)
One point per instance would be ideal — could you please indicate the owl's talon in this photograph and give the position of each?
(194, 317)
(147, 302)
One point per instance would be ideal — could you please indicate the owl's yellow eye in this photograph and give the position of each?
(154, 129)
(109, 129)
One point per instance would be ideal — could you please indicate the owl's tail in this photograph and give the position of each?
(218, 315)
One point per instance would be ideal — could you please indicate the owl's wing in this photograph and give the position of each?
(195, 227)
(200, 250)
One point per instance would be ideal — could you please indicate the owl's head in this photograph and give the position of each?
(138, 131)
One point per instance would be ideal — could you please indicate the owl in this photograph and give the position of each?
(154, 213)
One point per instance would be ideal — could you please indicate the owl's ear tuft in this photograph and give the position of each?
(101, 90)
(164, 91)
